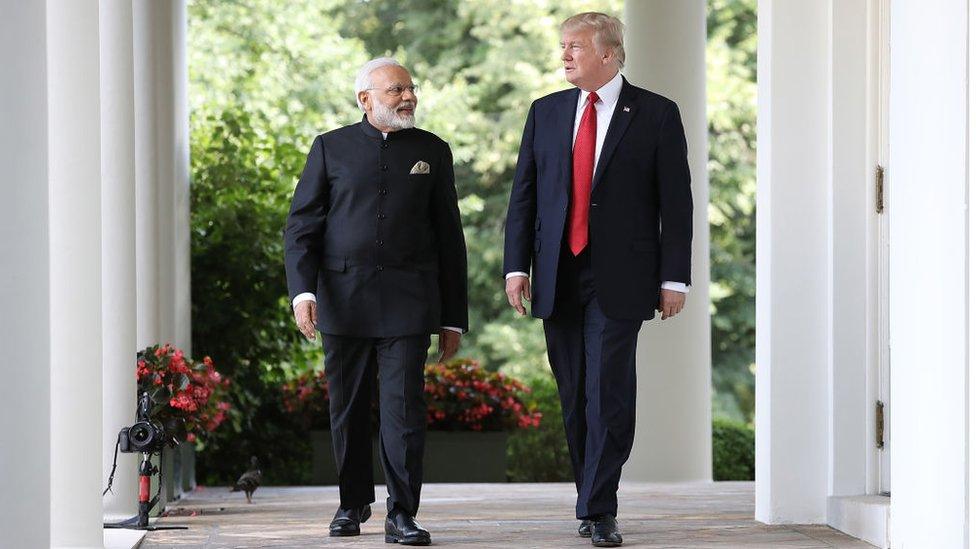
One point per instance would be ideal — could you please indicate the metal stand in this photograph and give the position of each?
(141, 521)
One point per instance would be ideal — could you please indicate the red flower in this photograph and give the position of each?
(195, 392)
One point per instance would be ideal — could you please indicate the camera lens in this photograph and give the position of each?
(141, 434)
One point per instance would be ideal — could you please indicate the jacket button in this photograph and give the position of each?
(379, 242)
(384, 167)
(385, 145)
(381, 216)
(382, 191)
(379, 267)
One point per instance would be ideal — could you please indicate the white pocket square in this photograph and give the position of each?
(420, 167)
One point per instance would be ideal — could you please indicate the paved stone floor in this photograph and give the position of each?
(489, 515)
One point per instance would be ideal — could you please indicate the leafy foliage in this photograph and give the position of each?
(733, 450)
(186, 397)
(541, 454)
(731, 58)
(463, 396)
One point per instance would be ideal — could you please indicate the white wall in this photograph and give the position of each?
(928, 273)
(792, 262)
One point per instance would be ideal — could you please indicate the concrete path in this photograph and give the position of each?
(489, 515)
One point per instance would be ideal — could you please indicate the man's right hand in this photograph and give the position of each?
(517, 288)
(305, 318)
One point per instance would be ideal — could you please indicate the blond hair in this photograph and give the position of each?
(609, 31)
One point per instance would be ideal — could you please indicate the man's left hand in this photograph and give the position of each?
(449, 342)
(671, 303)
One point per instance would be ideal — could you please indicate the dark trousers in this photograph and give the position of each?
(353, 365)
(594, 361)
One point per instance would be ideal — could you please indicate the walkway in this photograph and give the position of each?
(490, 515)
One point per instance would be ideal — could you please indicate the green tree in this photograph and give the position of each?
(731, 58)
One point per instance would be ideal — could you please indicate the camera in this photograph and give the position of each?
(145, 435)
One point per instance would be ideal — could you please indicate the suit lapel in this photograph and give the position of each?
(567, 119)
(623, 113)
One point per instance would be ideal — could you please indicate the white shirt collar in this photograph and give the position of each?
(609, 92)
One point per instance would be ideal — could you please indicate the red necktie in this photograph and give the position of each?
(583, 152)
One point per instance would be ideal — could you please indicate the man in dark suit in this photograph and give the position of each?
(600, 211)
(375, 260)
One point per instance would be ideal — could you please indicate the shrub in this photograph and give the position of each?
(541, 455)
(733, 450)
(462, 396)
(306, 399)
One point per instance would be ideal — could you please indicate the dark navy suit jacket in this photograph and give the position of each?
(381, 248)
(640, 217)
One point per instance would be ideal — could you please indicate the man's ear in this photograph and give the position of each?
(364, 98)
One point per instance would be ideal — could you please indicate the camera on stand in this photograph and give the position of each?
(146, 434)
(147, 437)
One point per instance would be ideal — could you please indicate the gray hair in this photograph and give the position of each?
(363, 81)
(609, 31)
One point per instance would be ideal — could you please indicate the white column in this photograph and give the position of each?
(146, 158)
(665, 46)
(162, 179)
(928, 273)
(971, 281)
(792, 263)
(853, 249)
(118, 253)
(181, 181)
(25, 454)
(75, 278)
(166, 156)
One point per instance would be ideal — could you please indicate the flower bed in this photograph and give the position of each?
(460, 395)
(189, 398)
(470, 412)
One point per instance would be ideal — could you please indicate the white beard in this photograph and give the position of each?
(390, 118)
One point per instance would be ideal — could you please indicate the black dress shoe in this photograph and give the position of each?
(605, 532)
(586, 528)
(346, 521)
(404, 529)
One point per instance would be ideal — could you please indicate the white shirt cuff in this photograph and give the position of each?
(453, 329)
(305, 296)
(676, 286)
(516, 273)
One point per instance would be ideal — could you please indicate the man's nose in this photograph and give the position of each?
(566, 55)
(408, 95)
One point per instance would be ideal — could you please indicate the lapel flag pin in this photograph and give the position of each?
(626, 109)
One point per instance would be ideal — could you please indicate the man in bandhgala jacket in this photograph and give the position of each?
(376, 261)
(601, 210)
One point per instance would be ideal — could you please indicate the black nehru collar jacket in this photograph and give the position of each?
(375, 232)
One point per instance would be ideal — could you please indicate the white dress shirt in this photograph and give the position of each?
(309, 296)
(609, 94)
